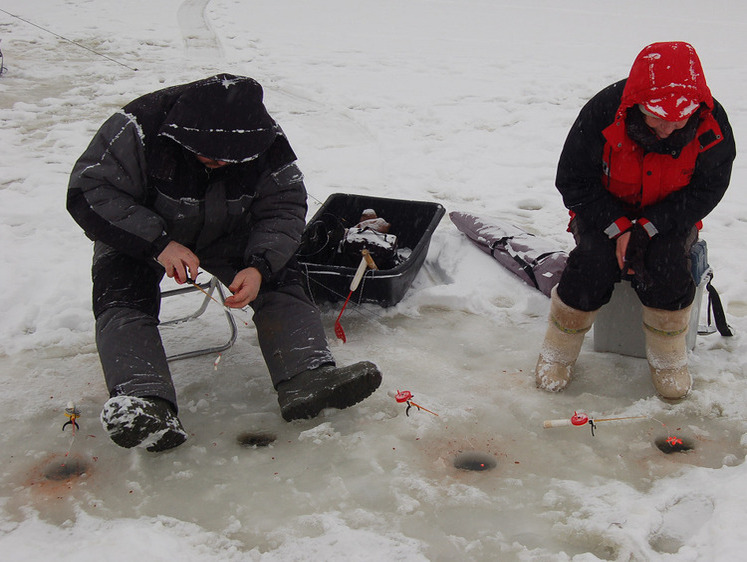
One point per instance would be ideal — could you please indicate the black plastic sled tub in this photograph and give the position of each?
(328, 271)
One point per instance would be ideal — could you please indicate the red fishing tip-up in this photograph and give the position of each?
(405, 397)
(579, 419)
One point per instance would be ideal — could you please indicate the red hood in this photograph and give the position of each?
(667, 76)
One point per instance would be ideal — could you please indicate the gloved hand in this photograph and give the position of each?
(635, 255)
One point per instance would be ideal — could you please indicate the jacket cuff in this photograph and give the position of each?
(648, 226)
(159, 245)
(618, 227)
(260, 264)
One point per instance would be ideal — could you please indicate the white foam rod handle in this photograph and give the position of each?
(358, 274)
(547, 424)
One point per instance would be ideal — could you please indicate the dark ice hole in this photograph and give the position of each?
(475, 461)
(63, 471)
(256, 439)
(668, 445)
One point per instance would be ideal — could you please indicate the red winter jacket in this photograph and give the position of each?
(608, 179)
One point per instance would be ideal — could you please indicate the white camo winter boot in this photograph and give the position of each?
(666, 350)
(565, 335)
(147, 422)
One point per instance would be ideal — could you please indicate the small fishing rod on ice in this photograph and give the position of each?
(579, 419)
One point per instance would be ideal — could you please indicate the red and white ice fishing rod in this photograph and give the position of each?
(405, 397)
(366, 262)
(670, 444)
(579, 419)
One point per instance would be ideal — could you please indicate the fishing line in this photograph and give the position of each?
(317, 200)
(68, 40)
(72, 413)
(357, 305)
(209, 295)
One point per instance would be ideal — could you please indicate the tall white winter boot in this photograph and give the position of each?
(666, 350)
(565, 335)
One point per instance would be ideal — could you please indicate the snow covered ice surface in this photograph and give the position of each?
(463, 103)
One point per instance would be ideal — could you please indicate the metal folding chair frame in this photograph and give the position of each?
(210, 287)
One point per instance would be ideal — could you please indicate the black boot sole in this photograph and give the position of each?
(339, 389)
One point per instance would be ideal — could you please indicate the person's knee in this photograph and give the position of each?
(668, 265)
(116, 318)
(589, 278)
(122, 281)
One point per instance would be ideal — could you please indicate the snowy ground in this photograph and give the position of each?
(462, 103)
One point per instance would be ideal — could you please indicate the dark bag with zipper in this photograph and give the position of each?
(532, 259)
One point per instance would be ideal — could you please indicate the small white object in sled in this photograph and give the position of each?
(619, 324)
(211, 289)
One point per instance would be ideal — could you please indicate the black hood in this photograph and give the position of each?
(222, 118)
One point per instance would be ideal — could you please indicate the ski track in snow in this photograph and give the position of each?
(379, 111)
(199, 37)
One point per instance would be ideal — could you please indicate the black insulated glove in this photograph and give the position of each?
(635, 255)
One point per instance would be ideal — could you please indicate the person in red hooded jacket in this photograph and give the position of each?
(647, 158)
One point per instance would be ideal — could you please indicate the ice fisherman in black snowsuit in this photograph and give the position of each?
(199, 176)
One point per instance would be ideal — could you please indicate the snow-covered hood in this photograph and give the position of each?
(222, 118)
(667, 78)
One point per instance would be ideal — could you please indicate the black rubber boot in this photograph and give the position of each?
(307, 394)
(148, 422)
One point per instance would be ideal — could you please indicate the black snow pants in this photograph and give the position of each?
(591, 271)
(126, 304)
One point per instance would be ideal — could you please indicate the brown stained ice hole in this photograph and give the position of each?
(59, 471)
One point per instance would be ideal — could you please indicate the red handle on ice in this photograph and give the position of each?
(339, 332)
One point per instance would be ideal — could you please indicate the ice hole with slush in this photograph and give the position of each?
(476, 461)
(249, 439)
(65, 470)
(669, 445)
